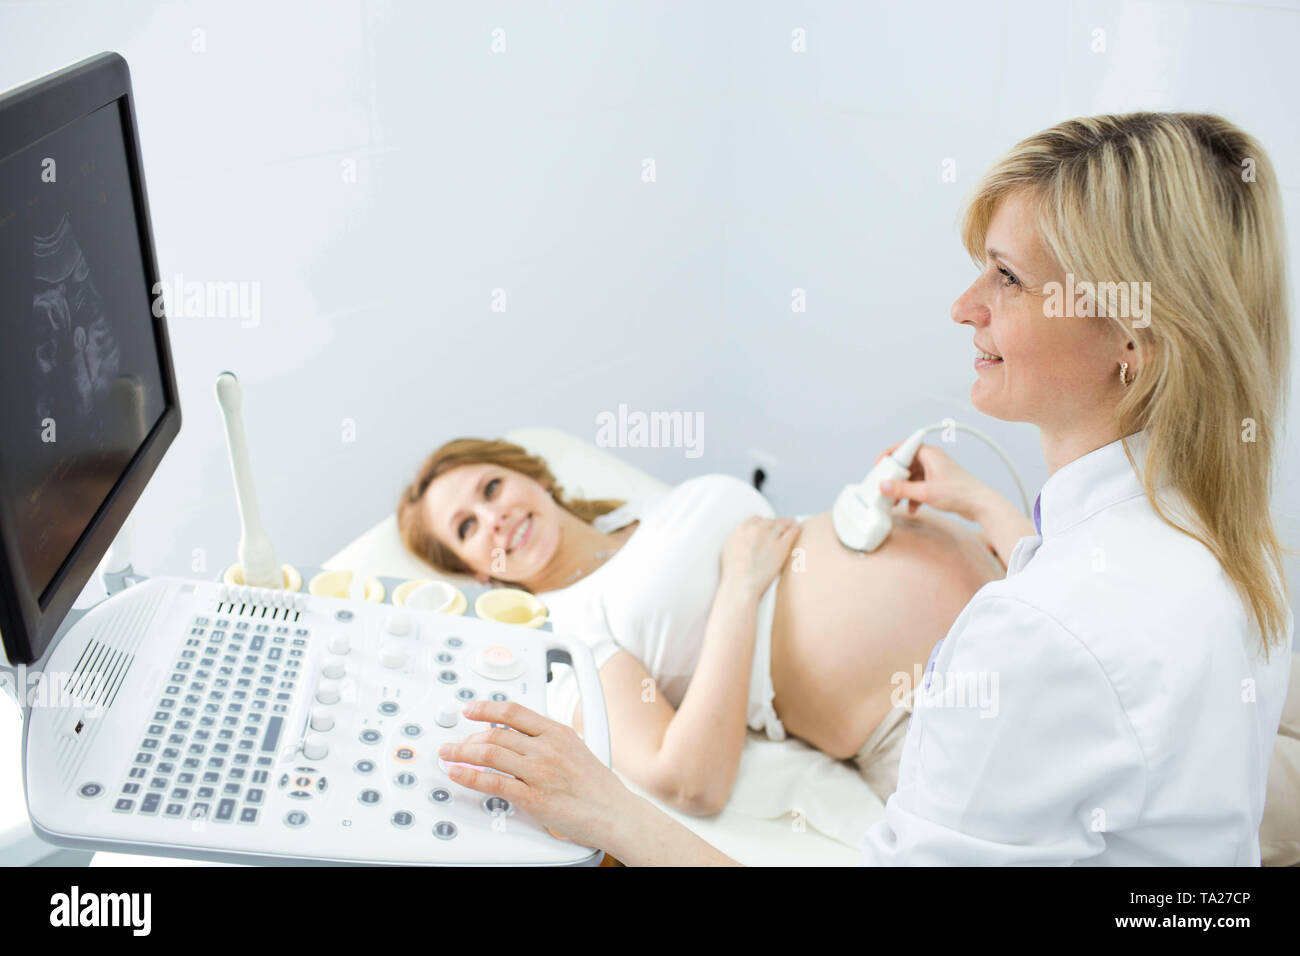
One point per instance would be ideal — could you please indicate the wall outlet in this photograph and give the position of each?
(762, 466)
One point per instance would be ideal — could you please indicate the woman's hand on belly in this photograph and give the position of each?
(755, 552)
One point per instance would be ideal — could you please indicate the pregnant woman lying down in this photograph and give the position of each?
(706, 614)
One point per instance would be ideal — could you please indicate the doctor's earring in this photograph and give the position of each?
(1125, 379)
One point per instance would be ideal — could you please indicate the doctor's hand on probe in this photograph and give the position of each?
(938, 481)
(558, 781)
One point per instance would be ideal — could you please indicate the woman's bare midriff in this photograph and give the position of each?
(846, 622)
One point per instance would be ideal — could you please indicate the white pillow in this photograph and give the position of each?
(582, 469)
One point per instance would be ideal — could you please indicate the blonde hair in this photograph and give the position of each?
(413, 521)
(1190, 203)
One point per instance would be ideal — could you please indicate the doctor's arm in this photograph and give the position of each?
(558, 781)
(1025, 754)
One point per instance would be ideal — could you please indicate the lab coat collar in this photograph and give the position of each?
(1092, 482)
(1081, 488)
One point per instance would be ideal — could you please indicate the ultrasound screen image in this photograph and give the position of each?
(79, 366)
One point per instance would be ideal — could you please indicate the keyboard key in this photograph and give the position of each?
(272, 737)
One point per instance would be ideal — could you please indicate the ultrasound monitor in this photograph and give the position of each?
(86, 375)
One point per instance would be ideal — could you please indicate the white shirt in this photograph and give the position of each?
(1133, 717)
(652, 599)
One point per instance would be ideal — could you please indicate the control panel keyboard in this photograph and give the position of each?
(245, 723)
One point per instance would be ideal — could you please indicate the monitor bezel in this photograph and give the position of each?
(28, 114)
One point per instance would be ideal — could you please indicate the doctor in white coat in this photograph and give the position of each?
(1115, 699)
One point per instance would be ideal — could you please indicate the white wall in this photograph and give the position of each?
(522, 170)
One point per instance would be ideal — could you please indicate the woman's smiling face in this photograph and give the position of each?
(1050, 370)
(500, 523)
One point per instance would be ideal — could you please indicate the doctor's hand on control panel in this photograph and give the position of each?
(554, 777)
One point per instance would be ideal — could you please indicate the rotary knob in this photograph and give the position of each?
(393, 658)
(322, 719)
(497, 663)
(315, 748)
(448, 715)
(334, 668)
(328, 692)
(340, 644)
(398, 624)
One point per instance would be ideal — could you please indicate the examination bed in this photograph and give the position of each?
(791, 804)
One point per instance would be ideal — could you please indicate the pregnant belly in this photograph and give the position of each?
(845, 623)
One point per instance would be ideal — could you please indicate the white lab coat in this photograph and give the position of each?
(1126, 717)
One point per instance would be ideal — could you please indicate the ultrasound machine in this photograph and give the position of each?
(196, 718)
